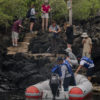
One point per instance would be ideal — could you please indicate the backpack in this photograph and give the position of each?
(54, 79)
(56, 69)
(68, 67)
(87, 60)
(28, 13)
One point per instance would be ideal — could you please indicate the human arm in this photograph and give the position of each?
(80, 66)
(20, 24)
(90, 46)
(59, 29)
(83, 41)
(50, 30)
(49, 9)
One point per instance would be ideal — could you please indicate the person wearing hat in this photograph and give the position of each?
(45, 14)
(87, 45)
(64, 70)
(71, 57)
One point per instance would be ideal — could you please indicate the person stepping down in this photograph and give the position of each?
(15, 31)
(64, 70)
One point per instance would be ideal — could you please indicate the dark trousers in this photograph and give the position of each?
(54, 42)
(68, 81)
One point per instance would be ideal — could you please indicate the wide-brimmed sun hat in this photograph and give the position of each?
(84, 34)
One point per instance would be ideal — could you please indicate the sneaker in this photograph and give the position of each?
(31, 32)
(15, 45)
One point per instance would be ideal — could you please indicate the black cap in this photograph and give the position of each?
(59, 58)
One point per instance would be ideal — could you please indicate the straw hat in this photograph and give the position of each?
(84, 34)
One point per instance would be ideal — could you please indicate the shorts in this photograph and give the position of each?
(32, 20)
(15, 35)
(45, 15)
(90, 72)
(86, 54)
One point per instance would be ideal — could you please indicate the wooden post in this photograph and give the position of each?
(70, 13)
(69, 5)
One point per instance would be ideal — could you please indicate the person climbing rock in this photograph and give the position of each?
(71, 57)
(54, 30)
(45, 14)
(15, 31)
(32, 18)
(64, 70)
(88, 64)
(87, 45)
(69, 34)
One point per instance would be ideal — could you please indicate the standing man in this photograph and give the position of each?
(45, 14)
(15, 31)
(32, 18)
(71, 57)
(88, 64)
(87, 45)
(64, 70)
(54, 30)
(69, 34)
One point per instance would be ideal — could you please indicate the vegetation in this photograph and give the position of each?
(82, 9)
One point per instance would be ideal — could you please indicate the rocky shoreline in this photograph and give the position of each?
(19, 71)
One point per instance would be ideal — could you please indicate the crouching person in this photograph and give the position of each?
(64, 70)
(88, 64)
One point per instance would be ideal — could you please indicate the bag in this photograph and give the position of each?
(68, 67)
(28, 13)
(54, 79)
(57, 70)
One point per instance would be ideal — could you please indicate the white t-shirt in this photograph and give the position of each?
(82, 62)
(54, 28)
(32, 11)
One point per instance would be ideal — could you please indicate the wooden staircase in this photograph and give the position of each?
(22, 46)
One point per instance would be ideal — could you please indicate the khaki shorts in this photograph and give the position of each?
(15, 35)
(86, 54)
(46, 15)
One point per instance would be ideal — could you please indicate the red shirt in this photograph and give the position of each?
(16, 24)
(46, 8)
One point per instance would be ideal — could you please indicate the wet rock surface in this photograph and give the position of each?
(19, 71)
(42, 43)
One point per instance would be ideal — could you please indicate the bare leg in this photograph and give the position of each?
(43, 24)
(16, 42)
(13, 42)
(46, 24)
(31, 26)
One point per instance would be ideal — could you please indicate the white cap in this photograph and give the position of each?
(84, 34)
(68, 50)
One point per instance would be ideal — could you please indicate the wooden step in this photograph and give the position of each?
(11, 53)
(24, 44)
(22, 50)
(27, 39)
(31, 34)
(12, 49)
